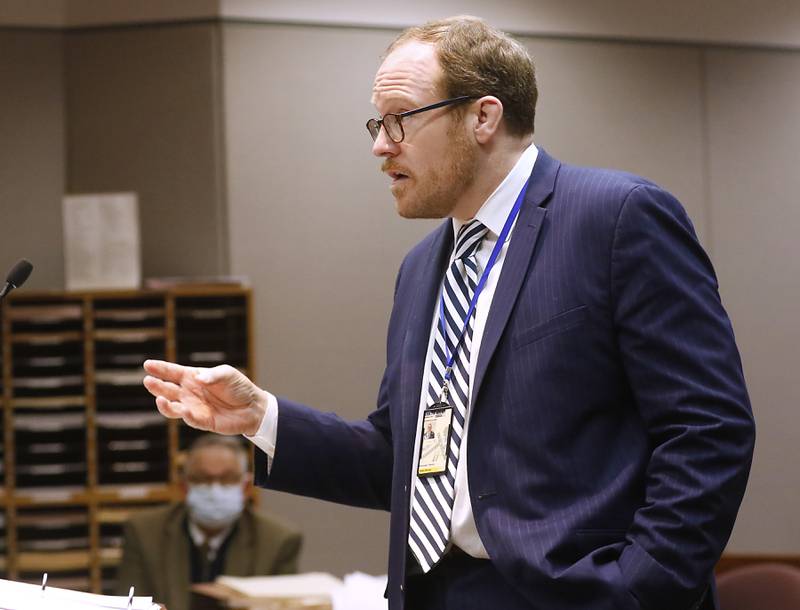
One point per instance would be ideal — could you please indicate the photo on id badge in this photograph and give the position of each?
(433, 445)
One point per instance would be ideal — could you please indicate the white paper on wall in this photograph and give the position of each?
(101, 241)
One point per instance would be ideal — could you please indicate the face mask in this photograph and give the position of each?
(215, 506)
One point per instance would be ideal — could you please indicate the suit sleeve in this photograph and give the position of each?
(320, 455)
(131, 570)
(683, 367)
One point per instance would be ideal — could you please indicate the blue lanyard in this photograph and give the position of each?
(512, 216)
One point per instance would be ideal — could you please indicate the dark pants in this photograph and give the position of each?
(461, 582)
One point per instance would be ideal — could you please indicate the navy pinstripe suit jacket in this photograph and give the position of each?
(611, 433)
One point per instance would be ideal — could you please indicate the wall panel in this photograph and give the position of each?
(31, 153)
(754, 130)
(313, 225)
(143, 115)
(633, 107)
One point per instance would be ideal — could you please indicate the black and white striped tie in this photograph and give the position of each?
(432, 499)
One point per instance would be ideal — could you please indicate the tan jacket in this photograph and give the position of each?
(155, 558)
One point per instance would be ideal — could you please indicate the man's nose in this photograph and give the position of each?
(384, 146)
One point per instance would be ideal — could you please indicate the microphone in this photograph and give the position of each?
(16, 277)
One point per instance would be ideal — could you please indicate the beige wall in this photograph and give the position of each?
(117, 109)
(144, 115)
(634, 107)
(754, 131)
(313, 225)
(31, 153)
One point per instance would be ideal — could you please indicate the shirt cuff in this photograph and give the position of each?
(267, 433)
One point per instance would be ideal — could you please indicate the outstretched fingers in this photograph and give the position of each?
(174, 388)
(157, 387)
(168, 371)
(216, 374)
(195, 417)
(168, 408)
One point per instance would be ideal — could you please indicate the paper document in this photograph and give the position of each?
(312, 584)
(361, 592)
(23, 596)
(358, 591)
(101, 241)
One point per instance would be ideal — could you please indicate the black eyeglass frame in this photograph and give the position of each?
(374, 125)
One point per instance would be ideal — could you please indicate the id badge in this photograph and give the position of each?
(436, 425)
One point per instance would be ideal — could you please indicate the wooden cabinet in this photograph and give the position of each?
(82, 441)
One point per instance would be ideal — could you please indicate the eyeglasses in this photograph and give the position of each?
(393, 123)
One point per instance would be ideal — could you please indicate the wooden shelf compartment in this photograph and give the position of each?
(64, 561)
(74, 406)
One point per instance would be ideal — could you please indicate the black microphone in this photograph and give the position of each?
(17, 276)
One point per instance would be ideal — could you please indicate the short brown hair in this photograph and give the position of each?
(479, 60)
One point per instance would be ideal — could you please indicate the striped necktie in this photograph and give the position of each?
(432, 499)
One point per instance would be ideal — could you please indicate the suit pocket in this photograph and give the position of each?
(606, 546)
(557, 324)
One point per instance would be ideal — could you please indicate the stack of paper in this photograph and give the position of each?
(298, 586)
(358, 591)
(361, 592)
(22, 596)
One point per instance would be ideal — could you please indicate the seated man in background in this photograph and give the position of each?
(212, 532)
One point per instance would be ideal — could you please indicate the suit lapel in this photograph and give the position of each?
(517, 262)
(176, 560)
(415, 346)
(240, 556)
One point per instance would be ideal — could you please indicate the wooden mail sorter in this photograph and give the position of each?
(83, 445)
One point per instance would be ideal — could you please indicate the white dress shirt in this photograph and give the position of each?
(214, 542)
(493, 214)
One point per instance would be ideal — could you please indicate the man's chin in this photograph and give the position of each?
(414, 213)
(417, 210)
(406, 212)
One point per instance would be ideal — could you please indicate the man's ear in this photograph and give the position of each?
(487, 119)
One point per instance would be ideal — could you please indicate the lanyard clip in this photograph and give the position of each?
(445, 384)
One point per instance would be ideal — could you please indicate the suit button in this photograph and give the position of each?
(405, 488)
(402, 588)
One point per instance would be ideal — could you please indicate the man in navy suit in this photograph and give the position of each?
(563, 325)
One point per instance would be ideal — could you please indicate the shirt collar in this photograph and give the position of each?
(495, 210)
(214, 542)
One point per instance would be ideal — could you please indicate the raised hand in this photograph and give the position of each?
(220, 399)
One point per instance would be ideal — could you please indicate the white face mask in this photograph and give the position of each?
(215, 506)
